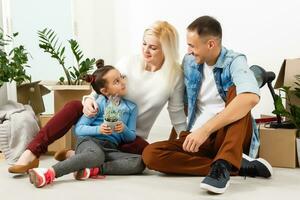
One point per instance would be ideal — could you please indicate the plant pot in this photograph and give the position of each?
(111, 124)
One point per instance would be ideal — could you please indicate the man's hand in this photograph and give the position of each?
(90, 107)
(119, 128)
(194, 140)
(106, 130)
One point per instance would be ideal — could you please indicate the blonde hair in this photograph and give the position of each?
(168, 37)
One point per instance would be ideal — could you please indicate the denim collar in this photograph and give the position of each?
(219, 63)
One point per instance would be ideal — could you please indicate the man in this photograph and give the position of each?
(220, 93)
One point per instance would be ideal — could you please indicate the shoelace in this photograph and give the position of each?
(248, 171)
(217, 171)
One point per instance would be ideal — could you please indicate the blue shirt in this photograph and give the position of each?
(230, 69)
(91, 126)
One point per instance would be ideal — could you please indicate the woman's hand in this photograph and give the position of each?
(119, 128)
(90, 107)
(106, 130)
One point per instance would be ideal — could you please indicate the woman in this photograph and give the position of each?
(154, 78)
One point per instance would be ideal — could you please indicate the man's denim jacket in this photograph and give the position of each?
(230, 69)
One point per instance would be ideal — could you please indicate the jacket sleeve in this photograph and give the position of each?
(129, 133)
(84, 125)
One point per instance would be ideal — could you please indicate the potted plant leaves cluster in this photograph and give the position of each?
(49, 42)
(13, 64)
(292, 111)
(112, 113)
(71, 86)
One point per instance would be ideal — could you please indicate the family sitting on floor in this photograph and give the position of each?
(212, 139)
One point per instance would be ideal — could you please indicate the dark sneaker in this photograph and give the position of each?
(217, 181)
(255, 167)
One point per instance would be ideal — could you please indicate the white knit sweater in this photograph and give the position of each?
(151, 91)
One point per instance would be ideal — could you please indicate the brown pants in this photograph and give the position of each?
(228, 144)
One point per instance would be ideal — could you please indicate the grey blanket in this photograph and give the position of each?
(18, 126)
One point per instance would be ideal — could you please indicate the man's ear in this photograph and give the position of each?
(104, 91)
(211, 44)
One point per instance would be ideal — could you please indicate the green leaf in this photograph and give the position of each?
(48, 42)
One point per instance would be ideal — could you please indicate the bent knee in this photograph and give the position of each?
(139, 165)
(151, 155)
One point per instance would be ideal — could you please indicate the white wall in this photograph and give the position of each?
(27, 18)
(8, 91)
(267, 32)
(93, 24)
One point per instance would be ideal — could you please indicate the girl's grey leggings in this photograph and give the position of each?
(92, 152)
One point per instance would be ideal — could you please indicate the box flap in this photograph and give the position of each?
(288, 70)
(31, 93)
(280, 77)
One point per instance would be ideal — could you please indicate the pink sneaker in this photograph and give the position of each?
(88, 173)
(41, 176)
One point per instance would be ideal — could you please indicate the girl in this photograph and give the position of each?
(96, 151)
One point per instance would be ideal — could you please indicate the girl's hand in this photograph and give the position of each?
(119, 128)
(104, 129)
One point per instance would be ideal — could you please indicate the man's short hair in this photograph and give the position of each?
(206, 26)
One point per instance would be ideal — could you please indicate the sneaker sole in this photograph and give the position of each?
(34, 178)
(214, 189)
(261, 160)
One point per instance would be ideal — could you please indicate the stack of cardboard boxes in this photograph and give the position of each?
(278, 146)
(62, 95)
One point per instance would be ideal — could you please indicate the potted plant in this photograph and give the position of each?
(73, 75)
(112, 113)
(292, 112)
(70, 86)
(12, 64)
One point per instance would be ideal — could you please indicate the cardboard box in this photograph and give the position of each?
(66, 93)
(62, 143)
(286, 76)
(278, 146)
(31, 93)
(62, 95)
(288, 70)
